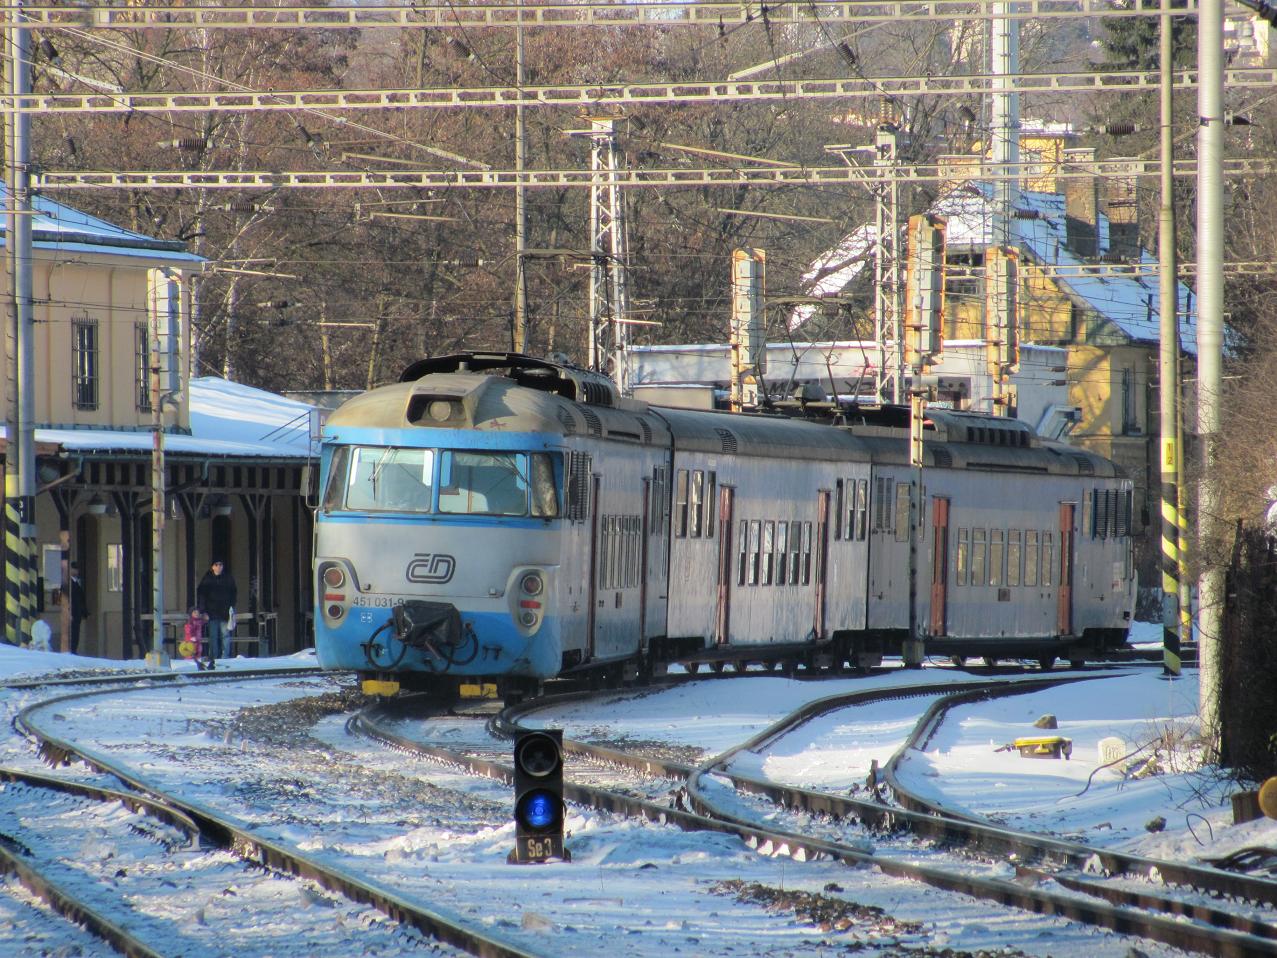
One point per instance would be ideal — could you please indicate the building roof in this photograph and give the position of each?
(227, 420)
(1129, 300)
(58, 227)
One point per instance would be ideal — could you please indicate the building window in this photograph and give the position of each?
(84, 363)
(114, 567)
(142, 366)
(1130, 420)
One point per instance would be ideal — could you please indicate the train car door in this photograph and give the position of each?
(645, 530)
(722, 626)
(822, 560)
(939, 563)
(594, 568)
(1064, 609)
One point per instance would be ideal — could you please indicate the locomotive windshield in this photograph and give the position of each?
(395, 479)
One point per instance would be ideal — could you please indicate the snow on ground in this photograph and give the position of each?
(645, 889)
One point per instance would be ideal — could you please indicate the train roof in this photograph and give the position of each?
(504, 392)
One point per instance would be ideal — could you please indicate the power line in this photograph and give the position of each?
(591, 13)
(626, 178)
(616, 94)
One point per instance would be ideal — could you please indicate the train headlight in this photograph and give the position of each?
(334, 577)
(532, 584)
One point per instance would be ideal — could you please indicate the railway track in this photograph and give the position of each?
(260, 858)
(1038, 863)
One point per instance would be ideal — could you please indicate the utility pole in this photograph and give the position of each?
(609, 258)
(1001, 323)
(1168, 371)
(159, 306)
(924, 298)
(888, 321)
(1004, 49)
(748, 343)
(520, 337)
(1210, 335)
(20, 552)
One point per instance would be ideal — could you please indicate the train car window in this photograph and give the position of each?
(795, 547)
(882, 495)
(1013, 557)
(390, 479)
(545, 492)
(338, 468)
(769, 552)
(782, 552)
(483, 483)
(838, 507)
(755, 535)
(656, 503)
(963, 558)
(1088, 513)
(697, 508)
(1126, 513)
(806, 553)
(902, 512)
(1031, 557)
(680, 504)
(862, 508)
(742, 546)
(849, 512)
(711, 504)
(979, 547)
(1048, 557)
(997, 555)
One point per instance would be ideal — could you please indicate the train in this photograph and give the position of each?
(499, 519)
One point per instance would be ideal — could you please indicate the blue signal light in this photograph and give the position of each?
(539, 809)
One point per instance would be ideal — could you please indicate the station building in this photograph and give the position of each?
(234, 456)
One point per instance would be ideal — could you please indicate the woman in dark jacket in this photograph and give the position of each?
(215, 597)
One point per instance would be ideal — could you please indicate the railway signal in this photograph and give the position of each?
(538, 797)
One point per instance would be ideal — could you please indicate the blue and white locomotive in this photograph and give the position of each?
(501, 518)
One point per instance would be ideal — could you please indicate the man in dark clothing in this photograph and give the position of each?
(79, 608)
(215, 597)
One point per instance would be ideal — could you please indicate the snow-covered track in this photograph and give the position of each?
(231, 834)
(707, 814)
(1212, 881)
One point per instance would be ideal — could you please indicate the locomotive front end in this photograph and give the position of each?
(437, 545)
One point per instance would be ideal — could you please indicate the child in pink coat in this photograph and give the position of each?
(193, 635)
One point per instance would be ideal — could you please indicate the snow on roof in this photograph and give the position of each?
(63, 228)
(1130, 301)
(227, 419)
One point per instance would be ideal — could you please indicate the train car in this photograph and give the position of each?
(494, 517)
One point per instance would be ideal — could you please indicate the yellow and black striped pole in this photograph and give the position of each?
(1168, 376)
(12, 550)
(1170, 551)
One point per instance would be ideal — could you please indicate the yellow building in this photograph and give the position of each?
(1085, 285)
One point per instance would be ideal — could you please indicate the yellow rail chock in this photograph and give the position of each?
(474, 690)
(1047, 746)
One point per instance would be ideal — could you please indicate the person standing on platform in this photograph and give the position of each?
(215, 597)
(79, 608)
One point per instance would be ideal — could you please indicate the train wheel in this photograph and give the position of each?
(959, 660)
(718, 666)
(692, 667)
(1046, 663)
(1077, 663)
(990, 662)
